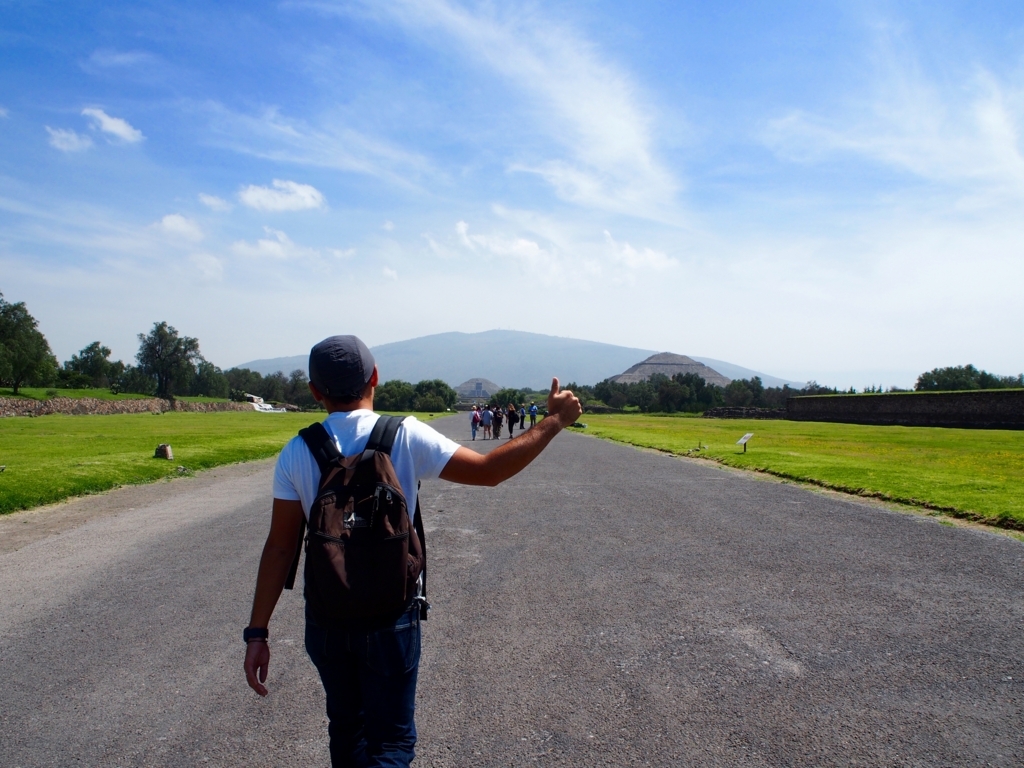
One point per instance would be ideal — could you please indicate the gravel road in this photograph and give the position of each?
(609, 607)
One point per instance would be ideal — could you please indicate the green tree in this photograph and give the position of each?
(297, 392)
(428, 403)
(954, 378)
(273, 386)
(168, 358)
(243, 380)
(434, 395)
(738, 394)
(208, 381)
(584, 392)
(134, 380)
(503, 397)
(395, 395)
(92, 364)
(673, 396)
(25, 355)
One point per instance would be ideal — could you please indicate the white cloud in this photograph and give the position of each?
(533, 257)
(587, 104)
(462, 229)
(115, 126)
(209, 266)
(966, 136)
(285, 196)
(648, 258)
(66, 140)
(275, 137)
(342, 253)
(214, 203)
(179, 226)
(3, 113)
(108, 58)
(277, 245)
(389, 273)
(388, 226)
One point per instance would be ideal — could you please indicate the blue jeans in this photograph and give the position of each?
(369, 677)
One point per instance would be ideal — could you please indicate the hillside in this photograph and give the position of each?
(509, 358)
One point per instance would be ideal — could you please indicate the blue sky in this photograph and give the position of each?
(816, 190)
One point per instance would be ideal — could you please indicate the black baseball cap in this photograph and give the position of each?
(340, 367)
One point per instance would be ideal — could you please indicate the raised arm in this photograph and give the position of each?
(471, 468)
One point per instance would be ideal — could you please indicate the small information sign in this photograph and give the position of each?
(743, 440)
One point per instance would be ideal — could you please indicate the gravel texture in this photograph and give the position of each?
(609, 606)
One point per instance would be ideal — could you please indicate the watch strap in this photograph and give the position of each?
(255, 633)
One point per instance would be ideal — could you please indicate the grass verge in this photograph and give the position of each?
(51, 458)
(974, 474)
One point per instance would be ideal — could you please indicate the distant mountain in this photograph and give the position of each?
(509, 358)
(738, 372)
(274, 364)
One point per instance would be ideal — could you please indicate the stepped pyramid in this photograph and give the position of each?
(476, 389)
(670, 364)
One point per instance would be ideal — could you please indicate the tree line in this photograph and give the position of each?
(169, 364)
(964, 377)
(689, 393)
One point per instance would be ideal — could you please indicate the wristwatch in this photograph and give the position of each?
(255, 633)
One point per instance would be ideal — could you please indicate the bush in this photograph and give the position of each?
(503, 397)
(439, 389)
(964, 377)
(428, 403)
(395, 395)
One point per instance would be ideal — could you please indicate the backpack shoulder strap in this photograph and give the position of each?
(321, 445)
(417, 524)
(325, 452)
(382, 438)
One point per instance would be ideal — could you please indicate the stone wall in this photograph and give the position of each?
(984, 409)
(80, 406)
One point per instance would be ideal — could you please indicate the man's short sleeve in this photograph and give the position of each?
(428, 449)
(284, 472)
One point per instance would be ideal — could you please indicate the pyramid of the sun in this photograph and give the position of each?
(477, 389)
(669, 364)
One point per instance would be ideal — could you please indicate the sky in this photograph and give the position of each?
(818, 190)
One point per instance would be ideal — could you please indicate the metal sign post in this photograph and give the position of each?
(743, 440)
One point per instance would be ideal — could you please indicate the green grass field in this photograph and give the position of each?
(976, 474)
(51, 458)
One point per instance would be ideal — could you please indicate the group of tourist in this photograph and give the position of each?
(491, 418)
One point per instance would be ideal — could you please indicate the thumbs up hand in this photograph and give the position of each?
(563, 405)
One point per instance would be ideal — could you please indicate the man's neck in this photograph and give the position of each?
(366, 403)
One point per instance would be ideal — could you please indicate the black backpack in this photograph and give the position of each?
(365, 560)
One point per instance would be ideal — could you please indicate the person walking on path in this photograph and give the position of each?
(513, 417)
(487, 418)
(368, 669)
(522, 417)
(474, 421)
(533, 414)
(498, 418)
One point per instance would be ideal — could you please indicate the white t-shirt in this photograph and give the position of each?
(420, 453)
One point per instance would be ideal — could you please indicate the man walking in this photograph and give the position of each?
(533, 414)
(369, 669)
(487, 417)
